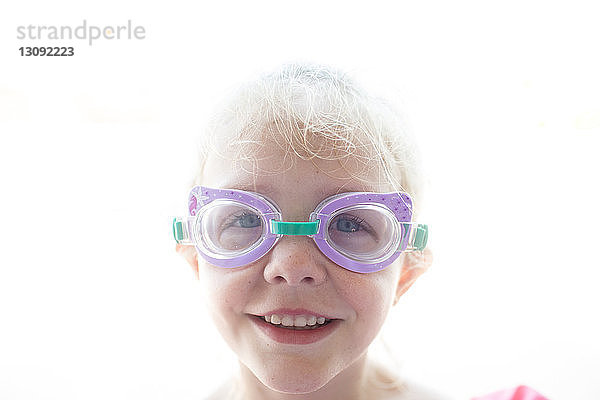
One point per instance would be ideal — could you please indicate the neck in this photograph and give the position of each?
(350, 384)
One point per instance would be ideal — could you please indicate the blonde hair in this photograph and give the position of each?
(314, 111)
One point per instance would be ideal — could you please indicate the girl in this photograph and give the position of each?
(302, 229)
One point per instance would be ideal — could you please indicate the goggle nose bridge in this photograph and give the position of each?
(295, 228)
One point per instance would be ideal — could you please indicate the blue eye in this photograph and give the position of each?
(247, 220)
(349, 225)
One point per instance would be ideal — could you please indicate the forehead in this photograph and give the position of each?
(274, 172)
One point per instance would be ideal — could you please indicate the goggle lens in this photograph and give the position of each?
(362, 232)
(229, 228)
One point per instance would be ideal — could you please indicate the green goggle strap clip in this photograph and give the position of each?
(421, 234)
(180, 231)
(418, 237)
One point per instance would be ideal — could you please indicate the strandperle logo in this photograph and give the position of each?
(81, 32)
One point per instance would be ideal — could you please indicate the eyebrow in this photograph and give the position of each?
(267, 189)
(247, 187)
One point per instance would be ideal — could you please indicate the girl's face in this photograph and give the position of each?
(295, 274)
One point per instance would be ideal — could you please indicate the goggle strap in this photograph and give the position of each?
(181, 231)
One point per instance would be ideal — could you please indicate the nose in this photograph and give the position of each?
(296, 260)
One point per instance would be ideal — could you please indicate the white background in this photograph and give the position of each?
(96, 151)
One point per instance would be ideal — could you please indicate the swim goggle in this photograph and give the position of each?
(360, 231)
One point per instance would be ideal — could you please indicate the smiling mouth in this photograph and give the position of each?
(295, 328)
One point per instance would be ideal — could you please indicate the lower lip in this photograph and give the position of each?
(292, 336)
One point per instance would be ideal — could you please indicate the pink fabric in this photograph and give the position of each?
(518, 393)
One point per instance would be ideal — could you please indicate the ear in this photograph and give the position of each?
(413, 266)
(191, 256)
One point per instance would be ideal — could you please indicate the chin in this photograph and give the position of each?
(302, 378)
(296, 383)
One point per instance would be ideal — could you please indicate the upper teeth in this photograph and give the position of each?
(294, 320)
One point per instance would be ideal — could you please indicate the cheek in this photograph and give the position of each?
(371, 297)
(226, 291)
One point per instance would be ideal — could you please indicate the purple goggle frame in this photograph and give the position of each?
(408, 236)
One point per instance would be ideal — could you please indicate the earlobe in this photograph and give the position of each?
(191, 256)
(413, 266)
